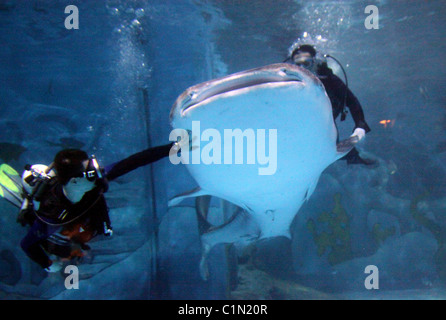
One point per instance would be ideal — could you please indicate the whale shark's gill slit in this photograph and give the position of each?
(306, 193)
(194, 97)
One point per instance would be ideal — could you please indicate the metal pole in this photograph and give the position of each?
(154, 285)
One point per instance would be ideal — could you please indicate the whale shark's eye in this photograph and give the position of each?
(192, 94)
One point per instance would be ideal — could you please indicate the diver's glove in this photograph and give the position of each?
(108, 232)
(54, 267)
(25, 216)
(359, 132)
(184, 141)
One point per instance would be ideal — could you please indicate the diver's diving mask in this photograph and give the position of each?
(304, 59)
(92, 171)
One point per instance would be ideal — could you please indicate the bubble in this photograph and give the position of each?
(114, 11)
(140, 13)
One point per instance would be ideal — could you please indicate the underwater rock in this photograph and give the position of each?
(133, 281)
(404, 173)
(11, 151)
(415, 169)
(114, 268)
(403, 262)
(256, 284)
(377, 221)
(10, 269)
(438, 231)
(273, 256)
(382, 226)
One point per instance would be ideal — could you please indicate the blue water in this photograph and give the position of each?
(88, 84)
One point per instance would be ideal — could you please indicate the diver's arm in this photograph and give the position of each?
(351, 102)
(137, 160)
(356, 111)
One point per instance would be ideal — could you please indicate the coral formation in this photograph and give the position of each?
(336, 237)
(380, 233)
(438, 231)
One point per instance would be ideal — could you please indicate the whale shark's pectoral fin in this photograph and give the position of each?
(343, 147)
(189, 194)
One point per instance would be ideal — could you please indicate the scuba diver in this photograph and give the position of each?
(338, 92)
(64, 202)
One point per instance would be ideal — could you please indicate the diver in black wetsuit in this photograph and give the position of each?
(71, 196)
(339, 94)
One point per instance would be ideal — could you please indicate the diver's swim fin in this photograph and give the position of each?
(11, 185)
(345, 146)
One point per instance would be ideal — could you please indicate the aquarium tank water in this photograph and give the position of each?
(103, 76)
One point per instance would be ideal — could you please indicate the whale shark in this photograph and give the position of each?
(281, 98)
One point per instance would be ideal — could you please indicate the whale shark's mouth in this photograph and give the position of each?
(243, 80)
